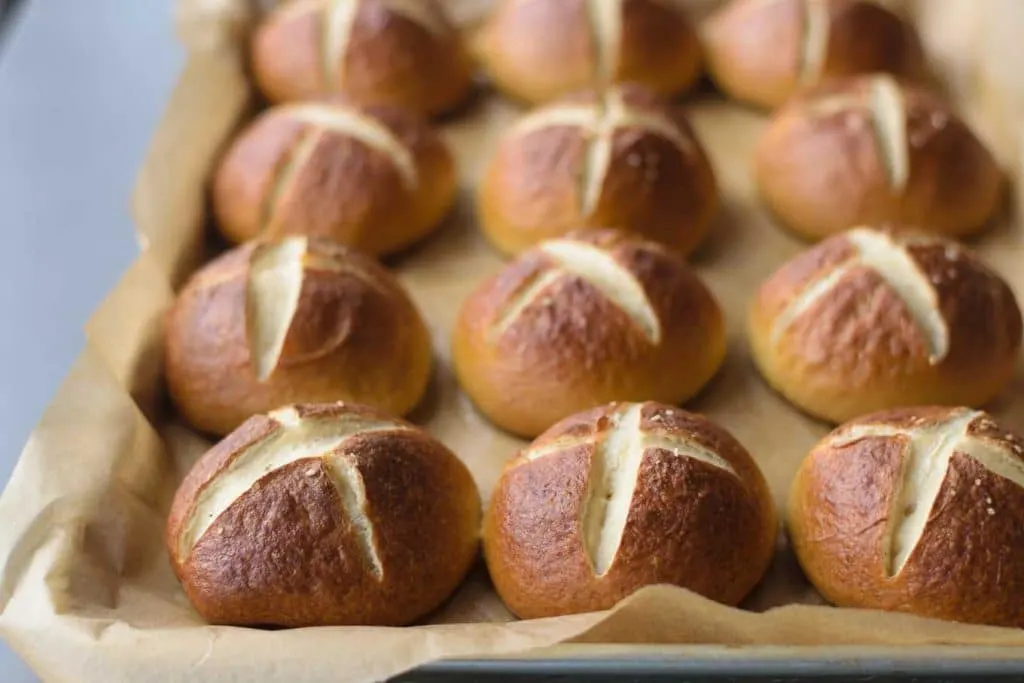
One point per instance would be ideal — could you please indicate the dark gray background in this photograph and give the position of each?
(82, 86)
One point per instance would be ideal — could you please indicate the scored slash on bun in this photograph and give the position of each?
(871, 319)
(581, 321)
(625, 160)
(871, 150)
(764, 51)
(328, 514)
(624, 496)
(538, 50)
(375, 179)
(916, 510)
(276, 322)
(401, 53)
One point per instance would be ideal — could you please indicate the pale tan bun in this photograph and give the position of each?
(539, 50)
(870, 320)
(582, 321)
(871, 150)
(764, 51)
(375, 179)
(318, 515)
(290, 321)
(625, 496)
(915, 510)
(400, 53)
(624, 160)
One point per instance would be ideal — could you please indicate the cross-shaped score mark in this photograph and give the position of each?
(614, 470)
(599, 270)
(322, 443)
(926, 461)
(886, 109)
(599, 124)
(276, 273)
(900, 272)
(322, 119)
(339, 17)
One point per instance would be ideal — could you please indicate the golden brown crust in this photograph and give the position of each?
(689, 523)
(539, 50)
(658, 188)
(968, 562)
(286, 552)
(287, 174)
(573, 346)
(355, 335)
(820, 168)
(390, 58)
(757, 51)
(859, 347)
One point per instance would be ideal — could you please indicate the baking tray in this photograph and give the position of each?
(709, 663)
(65, 646)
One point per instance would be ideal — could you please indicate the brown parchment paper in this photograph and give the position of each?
(86, 591)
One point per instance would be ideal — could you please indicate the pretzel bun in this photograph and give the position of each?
(401, 53)
(538, 50)
(763, 51)
(378, 180)
(328, 514)
(870, 320)
(624, 496)
(870, 150)
(581, 321)
(623, 160)
(916, 510)
(277, 322)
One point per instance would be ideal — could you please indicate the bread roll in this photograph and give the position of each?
(581, 321)
(538, 50)
(277, 322)
(870, 320)
(327, 514)
(378, 180)
(401, 53)
(624, 496)
(916, 510)
(763, 51)
(870, 150)
(624, 160)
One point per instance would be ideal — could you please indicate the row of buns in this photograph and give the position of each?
(408, 53)
(336, 514)
(864, 151)
(867, 320)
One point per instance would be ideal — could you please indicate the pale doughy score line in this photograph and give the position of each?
(893, 264)
(364, 129)
(889, 115)
(272, 297)
(925, 465)
(814, 46)
(614, 475)
(352, 493)
(296, 439)
(286, 175)
(604, 19)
